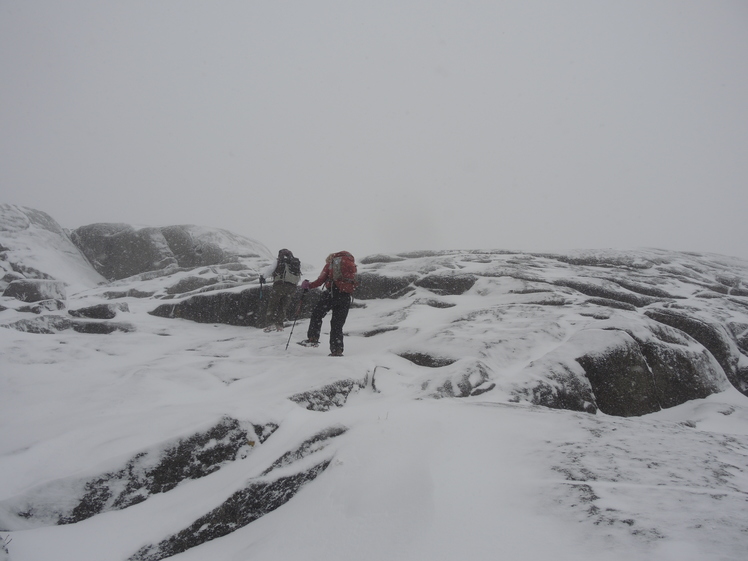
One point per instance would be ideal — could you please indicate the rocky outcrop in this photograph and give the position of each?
(51, 324)
(35, 290)
(150, 472)
(447, 284)
(625, 373)
(607, 291)
(247, 308)
(629, 332)
(558, 385)
(192, 458)
(426, 359)
(131, 293)
(623, 335)
(100, 311)
(328, 397)
(313, 444)
(681, 370)
(119, 251)
(714, 337)
(191, 252)
(189, 284)
(464, 381)
(34, 246)
(380, 258)
(243, 507)
(620, 379)
(372, 286)
(260, 497)
(43, 306)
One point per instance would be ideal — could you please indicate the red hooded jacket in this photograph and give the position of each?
(347, 283)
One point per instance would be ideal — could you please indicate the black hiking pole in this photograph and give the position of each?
(298, 311)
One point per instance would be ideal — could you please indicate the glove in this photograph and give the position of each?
(262, 279)
(305, 285)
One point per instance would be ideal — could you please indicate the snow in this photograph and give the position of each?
(37, 240)
(413, 477)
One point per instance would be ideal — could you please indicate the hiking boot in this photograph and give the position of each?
(309, 343)
(269, 328)
(279, 327)
(336, 353)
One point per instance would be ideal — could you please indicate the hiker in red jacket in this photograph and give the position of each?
(339, 278)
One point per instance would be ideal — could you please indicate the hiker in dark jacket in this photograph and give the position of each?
(339, 278)
(285, 273)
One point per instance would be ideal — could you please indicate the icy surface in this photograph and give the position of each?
(432, 461)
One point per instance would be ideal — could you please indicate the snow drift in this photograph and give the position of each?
(490, 404)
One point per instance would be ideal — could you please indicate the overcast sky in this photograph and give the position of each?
(384, 126)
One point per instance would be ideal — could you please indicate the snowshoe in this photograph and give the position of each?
(308, 343)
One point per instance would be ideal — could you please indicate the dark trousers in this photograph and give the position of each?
(339, 302)
(281, 295)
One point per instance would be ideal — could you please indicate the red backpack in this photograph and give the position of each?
(343, 271)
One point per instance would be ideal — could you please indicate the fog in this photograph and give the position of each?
(384, 126)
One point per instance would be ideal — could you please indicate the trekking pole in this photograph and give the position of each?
(298, 311)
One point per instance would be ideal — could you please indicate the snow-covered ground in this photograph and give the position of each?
(410, 474)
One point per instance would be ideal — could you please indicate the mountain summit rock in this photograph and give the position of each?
(622, 332)
(118, 251)
(601, 390)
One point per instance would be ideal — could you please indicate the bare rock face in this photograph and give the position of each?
(189, 284)
(631, 378)
(243, 507)
(328, 397)
(372, 286)
(258, 498)
(620, 379)
(100, 311)
(43, 306)
(36, 290)
(120, 251)
(245, 308)
(147, 473)
(50, 324)
(447, 284)
(560, 386)
(624, 370)
(624, 333)
(717, 339)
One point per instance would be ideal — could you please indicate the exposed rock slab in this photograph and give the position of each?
(147, 473)
(120, 251)
(100, 311)
(246, 308)
(36, 290)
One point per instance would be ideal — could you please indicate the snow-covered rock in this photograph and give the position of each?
(485, 398)
(119, 251)
(34, 246)
(100, 311)
(629, 333)
(36, 290)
